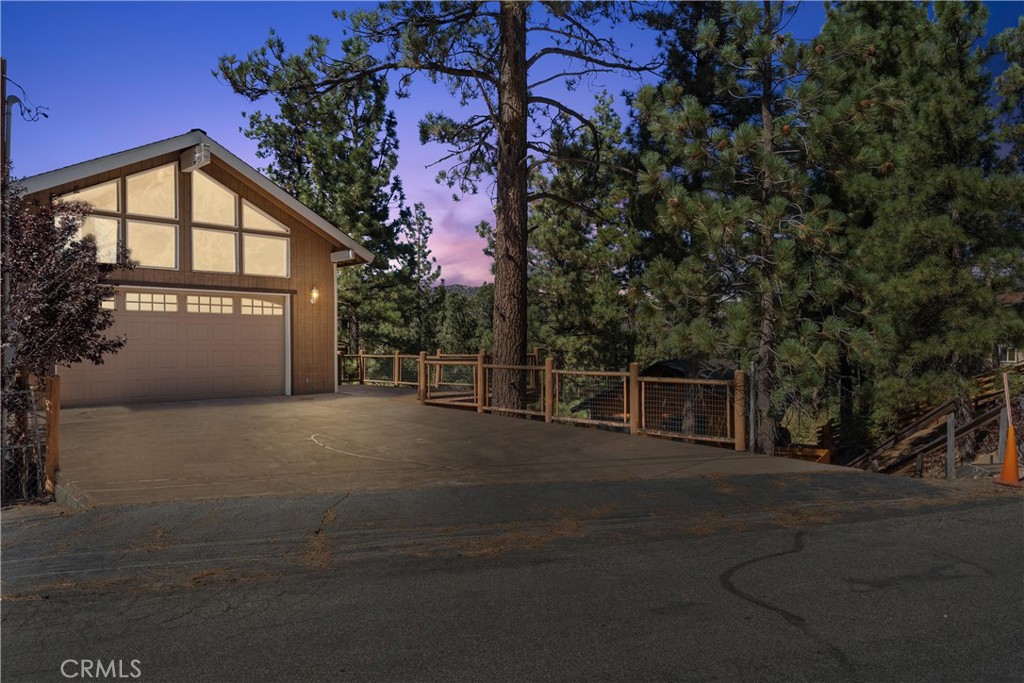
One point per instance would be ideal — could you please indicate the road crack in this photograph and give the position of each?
(794, 620)
(319, 554)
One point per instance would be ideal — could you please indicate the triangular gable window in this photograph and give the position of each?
(212, 202)
(102, 197)
(255, 219)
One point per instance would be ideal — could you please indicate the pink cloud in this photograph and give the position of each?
(455, 244)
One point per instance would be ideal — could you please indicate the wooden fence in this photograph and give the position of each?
(712, 411)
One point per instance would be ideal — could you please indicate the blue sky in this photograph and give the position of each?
(115, 75)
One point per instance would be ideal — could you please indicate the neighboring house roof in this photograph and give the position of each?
(690, 369)
(1010, 298)
(70, 174)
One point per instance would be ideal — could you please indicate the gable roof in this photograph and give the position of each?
(70, 174)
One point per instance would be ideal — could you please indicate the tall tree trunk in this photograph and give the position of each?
(765, 370)
(510, 212)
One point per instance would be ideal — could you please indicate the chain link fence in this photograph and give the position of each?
(24, 447)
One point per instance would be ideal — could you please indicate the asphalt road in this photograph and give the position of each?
(763, 578)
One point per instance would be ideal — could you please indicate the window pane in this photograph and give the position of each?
(102, 197)
(254, 219)
(105, 231)
(146, 301)
(151, 193)
(261, 307)
(211, 201)
(266, 255)
(214, 251)
(210, 304)
(153, 245)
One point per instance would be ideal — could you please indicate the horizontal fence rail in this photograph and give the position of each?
(707, 410)
(450, 382)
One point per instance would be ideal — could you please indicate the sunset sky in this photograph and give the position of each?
(116, 75)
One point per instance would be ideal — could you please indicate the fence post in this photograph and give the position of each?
(396, 369)
(481, 381)
(950, 446)
(362, 366)
(421, 378)
(549, 389)
(437, 369)
(52, 432)
(634, 398)
(1004, 426)
(739, 406)
(751, 408)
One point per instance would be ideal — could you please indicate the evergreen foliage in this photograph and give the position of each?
(336, 152)
(843, 211)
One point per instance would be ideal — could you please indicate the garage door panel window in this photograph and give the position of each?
(261, 307)
(265, 255)
(102, 197)
(153, 192)
(148, 301)
(152, 245)
(104, 231)
(214, 251)
(212, 202)
(210, 304)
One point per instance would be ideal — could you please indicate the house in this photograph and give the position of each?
(234, 293)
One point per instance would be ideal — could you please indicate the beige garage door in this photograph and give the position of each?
(186, 346)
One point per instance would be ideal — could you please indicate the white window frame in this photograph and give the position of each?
(209, 304)
(157, 302)
(287, 254)
(174, 182)
(177, 242)
(234, 203)
(1007, 355)
(226, 231)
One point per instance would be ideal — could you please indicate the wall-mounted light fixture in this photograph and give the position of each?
(314, 295)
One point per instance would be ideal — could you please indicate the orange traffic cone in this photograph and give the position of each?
(1009, 476)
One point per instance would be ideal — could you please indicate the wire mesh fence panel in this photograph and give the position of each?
(379, 369)
(592, 397)
(698, 410)
(521, 387)
(348, 369)
(408, 370)
(452, 382)
(24, 449)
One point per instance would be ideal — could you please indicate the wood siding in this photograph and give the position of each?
(312, 332)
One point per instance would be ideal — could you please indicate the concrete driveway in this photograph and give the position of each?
(365, 438)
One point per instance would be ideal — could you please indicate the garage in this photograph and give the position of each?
(226, 285)
(187, 345)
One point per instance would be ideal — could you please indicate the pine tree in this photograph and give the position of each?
(763, 274)
(337, 152)
(479, 52)
(1010, 86)
(939, 229)
(580, 247)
